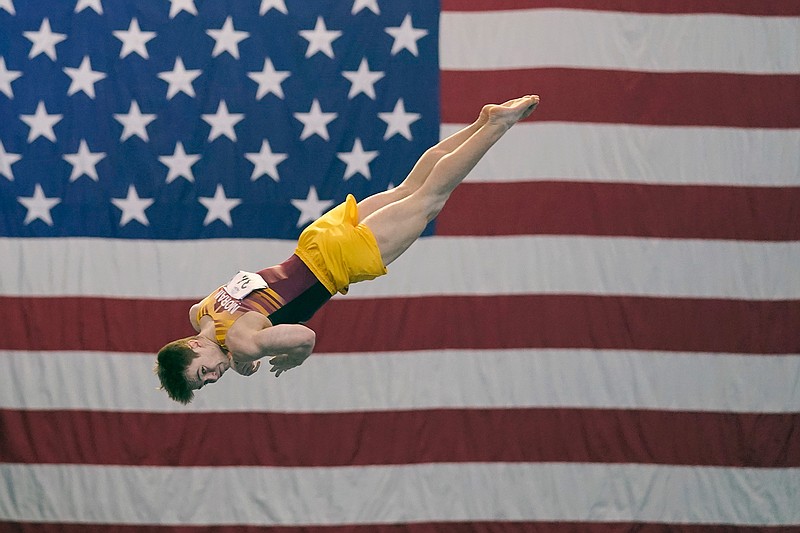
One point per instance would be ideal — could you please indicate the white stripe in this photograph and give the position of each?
(641, 154)
(593, 265)
(437, 265)
(622, 41)
(131, 269)
(413, 380)
(400, 494)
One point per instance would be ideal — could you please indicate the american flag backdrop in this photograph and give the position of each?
(601, 331)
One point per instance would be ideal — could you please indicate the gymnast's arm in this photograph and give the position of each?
(288, 344)
(193, 316)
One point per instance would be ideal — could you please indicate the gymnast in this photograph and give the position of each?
(261, 314)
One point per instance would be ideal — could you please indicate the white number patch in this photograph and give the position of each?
(244, 283)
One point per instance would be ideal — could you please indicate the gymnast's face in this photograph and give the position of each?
(209, 365)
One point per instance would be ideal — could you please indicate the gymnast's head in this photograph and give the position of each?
(186, 365)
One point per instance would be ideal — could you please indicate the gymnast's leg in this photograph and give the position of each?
(398, 224)
(422, 168)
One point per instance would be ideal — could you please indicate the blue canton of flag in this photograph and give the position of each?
(188, 119)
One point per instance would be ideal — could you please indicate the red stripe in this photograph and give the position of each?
(517, 321)
(668, 99)
(414, 527)
(401, 437)
(620, 209)
(738, 7)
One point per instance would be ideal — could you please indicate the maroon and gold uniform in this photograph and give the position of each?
(333, 252)
(293, 295)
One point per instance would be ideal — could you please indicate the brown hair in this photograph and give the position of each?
(171, 364)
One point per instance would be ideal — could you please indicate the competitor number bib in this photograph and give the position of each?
(244, 283)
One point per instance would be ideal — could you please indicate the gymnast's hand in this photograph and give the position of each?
(247, 368)
(282, 363)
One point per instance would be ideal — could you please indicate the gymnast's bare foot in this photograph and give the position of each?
(510, 112)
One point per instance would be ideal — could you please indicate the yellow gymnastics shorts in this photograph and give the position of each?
(339, 250)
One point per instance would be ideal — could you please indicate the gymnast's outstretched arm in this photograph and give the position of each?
(288, 345)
